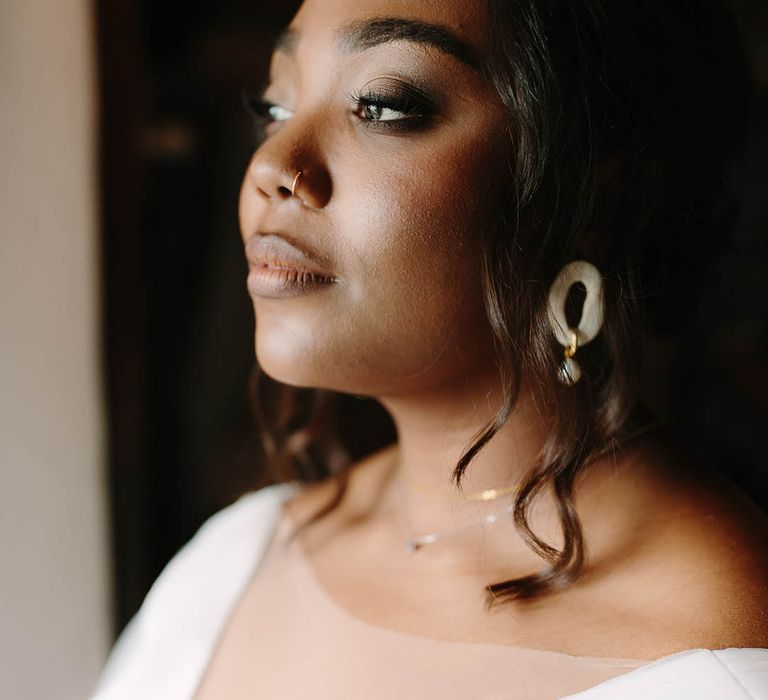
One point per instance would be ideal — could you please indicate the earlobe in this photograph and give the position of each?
(569, 371)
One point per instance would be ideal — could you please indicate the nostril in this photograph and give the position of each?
(279, 192)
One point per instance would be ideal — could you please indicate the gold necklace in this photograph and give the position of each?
(484, 495)
(414, 543)
(491, 494)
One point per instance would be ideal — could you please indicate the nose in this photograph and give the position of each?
(289, 166)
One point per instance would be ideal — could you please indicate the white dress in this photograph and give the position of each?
(165, 650)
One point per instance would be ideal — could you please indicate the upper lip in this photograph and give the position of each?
(278, 250)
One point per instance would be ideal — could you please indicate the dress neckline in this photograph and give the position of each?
(295, 549)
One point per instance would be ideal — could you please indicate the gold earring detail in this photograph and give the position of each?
(569, 371)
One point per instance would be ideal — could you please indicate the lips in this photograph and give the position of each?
(280, 268)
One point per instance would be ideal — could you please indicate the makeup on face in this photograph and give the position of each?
(398, 136)
(280, 269)
(390, 102)
(399, 102)
(396, 100)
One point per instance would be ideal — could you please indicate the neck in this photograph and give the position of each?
(433, 432)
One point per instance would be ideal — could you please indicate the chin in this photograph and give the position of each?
(284, 367)
(312, 357)
(310, 368)
(289, 361)
(288, 377)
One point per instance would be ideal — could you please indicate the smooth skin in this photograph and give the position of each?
(393, 201)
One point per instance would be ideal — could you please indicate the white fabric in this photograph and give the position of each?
(165, 649)
(700, 674)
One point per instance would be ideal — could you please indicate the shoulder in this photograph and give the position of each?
(184, 609)
(251, 514)
(696, 570)
(717, 559)
(224, 544)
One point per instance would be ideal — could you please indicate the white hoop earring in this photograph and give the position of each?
(591, 321)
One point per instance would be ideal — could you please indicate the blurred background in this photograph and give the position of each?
(126, 334)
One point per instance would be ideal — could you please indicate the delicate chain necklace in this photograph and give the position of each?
(491, 494)
(413, 544)
(485, 495)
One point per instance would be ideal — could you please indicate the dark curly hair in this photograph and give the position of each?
(625, 117)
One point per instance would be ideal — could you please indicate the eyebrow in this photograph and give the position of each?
(363, 35)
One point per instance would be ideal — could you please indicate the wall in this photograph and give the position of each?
(54, 598)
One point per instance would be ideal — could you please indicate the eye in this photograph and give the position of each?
(378, 111)
(265, 112)
(402, 108)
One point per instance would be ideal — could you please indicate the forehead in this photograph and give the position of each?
(343, 22)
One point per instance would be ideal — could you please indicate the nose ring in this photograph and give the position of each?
(296, 182)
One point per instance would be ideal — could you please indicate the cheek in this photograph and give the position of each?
(418, 227)
(415, 289)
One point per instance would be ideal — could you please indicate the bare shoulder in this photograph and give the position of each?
(701, 568)
(721, 557)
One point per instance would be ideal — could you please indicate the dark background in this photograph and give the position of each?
(179, 324)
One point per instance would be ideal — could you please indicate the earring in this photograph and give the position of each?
(569, 371)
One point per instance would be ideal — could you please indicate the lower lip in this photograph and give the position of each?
(280, 283)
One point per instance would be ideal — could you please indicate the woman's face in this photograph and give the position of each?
(402, 150)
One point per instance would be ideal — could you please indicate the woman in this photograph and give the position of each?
(471, 213)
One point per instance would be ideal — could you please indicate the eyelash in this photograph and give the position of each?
(417, 110)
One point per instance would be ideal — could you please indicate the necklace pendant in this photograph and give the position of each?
(416, 543)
